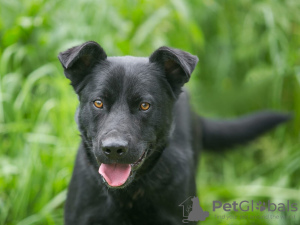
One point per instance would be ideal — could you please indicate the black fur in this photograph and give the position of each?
(225, 134)
(168, 133)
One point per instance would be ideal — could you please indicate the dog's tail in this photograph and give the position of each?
(225, 134)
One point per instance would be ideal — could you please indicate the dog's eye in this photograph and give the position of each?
(98, 104)
(145, 106)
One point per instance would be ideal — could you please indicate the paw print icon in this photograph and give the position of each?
(261, 206)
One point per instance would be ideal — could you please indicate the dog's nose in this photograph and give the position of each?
(114, 148)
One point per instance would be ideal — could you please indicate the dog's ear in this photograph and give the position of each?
(178, 65)
(79, 60)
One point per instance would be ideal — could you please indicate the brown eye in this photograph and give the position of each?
(98, 104)
(145, 106)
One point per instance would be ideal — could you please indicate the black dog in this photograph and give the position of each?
(140, 141)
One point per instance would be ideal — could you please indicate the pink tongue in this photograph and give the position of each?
(115, 174)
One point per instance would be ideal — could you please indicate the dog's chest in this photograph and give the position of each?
(139, 208)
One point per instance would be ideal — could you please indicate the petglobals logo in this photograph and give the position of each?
(192, 210)
(246, 206)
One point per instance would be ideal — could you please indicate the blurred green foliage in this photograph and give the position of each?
(249, 55)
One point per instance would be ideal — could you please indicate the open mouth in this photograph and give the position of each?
(116, 175)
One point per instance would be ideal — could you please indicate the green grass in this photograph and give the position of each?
(249, 55)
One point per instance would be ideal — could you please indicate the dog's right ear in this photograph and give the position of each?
(178, 66)
(79, 60)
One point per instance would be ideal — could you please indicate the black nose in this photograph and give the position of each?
(114, 148)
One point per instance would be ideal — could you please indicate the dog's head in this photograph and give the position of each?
(126, 105)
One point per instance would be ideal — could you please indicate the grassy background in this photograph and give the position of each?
(249, 55)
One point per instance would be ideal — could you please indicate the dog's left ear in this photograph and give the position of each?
(178, 65)
(80, 60)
